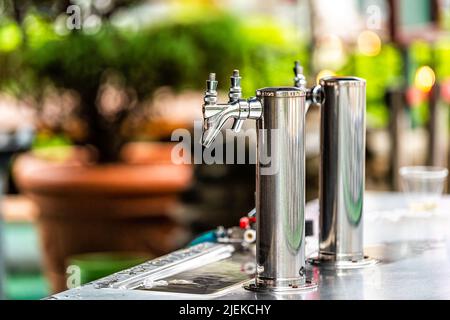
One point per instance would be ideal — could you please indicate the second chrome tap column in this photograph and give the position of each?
(280, 193)
(342, 175)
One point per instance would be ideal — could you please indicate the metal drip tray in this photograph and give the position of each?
(205, 269)
(214, 278)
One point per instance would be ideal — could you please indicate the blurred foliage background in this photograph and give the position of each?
(37, 53)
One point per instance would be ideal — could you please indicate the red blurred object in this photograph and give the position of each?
(445, 90)
(244, 222)
(415, 96)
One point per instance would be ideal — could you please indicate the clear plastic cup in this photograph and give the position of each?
(423, 186)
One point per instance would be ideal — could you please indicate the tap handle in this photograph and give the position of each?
(235, 95)
(298, 69)
(299, 79)
(211, 90)
(235, 87)
(211, 84)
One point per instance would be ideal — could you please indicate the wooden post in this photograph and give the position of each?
(438, 130)
(396, 102)
(447, 134)
(393, 22)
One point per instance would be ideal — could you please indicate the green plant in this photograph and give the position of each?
(381, 72)
(178, 53)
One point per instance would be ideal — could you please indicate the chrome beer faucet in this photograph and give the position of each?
(215, 115)
(280, 192)
(342, 169)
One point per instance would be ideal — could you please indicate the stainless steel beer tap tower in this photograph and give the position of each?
(218, 270)
(342, 170)
(280, 181)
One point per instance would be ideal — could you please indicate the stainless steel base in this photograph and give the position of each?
(343, 265)
(308, 285)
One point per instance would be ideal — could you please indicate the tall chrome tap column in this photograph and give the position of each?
(342, 169)
(280, 190)
(342, 172)
(280, 177)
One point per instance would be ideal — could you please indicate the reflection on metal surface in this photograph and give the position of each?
(344, 264)
(342, 171)
(396, 251)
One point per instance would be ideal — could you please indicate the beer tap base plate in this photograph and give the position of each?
(328, 264)
(305, 286)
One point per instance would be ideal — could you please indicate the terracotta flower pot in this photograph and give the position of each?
(102, 208)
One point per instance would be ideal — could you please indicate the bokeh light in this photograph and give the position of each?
(369, 43)
(92, 24)
(425, 78)
(324, 73)
(10, 37)
(330, 53)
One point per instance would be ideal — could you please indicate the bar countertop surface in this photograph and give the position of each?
(413, 250)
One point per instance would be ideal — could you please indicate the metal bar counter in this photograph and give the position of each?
(413, 250)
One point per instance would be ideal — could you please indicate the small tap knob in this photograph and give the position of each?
(235, 87)
(298, 69)
(235, 95)
(299, 80)
(211, 90)
(211, 83)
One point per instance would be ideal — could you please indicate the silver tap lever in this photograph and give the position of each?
(215, 115)
(313, 95)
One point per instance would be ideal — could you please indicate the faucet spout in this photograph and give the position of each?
(216, 115)
(209, 136)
